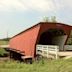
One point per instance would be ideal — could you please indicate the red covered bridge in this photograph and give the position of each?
(44, 33)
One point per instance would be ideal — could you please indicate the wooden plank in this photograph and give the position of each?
(65, 53)
(26, 57)
(4, 46)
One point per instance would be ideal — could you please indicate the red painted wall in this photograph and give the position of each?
(26, 41)
(45, 27)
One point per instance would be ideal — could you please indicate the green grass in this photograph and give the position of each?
(2, 51)
(46, 66)
(2, 42)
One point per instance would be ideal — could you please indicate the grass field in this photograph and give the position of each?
(42, 66)
(2, 50)
(2, 42)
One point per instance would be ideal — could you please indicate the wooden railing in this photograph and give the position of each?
(46, 50)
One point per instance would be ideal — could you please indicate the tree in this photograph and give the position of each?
(46, 19)
(53, 19)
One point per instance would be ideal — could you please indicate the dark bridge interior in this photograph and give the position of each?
(47, 37)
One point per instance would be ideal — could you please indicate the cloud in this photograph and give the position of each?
(41, 5)
(23, 5)
(63, 4)
(38, 5)
(11, 5)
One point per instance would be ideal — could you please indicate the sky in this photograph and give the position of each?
(18, 15)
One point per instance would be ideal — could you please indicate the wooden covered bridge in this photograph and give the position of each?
(43, 33)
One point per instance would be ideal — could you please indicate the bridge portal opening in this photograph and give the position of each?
(53, 37)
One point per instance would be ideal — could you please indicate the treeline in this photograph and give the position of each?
(5, 39)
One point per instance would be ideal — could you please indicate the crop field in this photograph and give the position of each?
(60, 65)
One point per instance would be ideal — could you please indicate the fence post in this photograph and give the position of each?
(42, 50)
(47, 52)
(57, 52)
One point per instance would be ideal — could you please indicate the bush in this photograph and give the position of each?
(3, 52)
